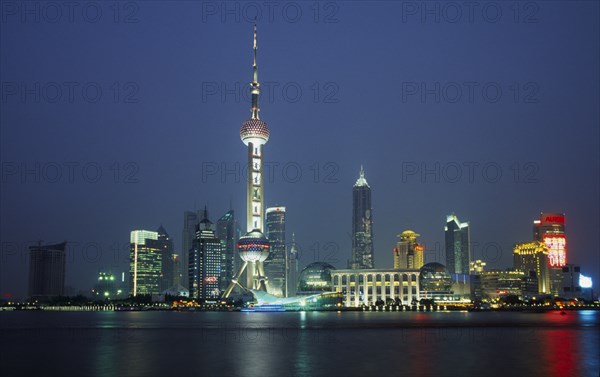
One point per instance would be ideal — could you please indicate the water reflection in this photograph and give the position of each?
(282, 344)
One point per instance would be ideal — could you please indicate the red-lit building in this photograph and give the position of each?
(550, 229)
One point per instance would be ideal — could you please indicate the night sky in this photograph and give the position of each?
(124, 119)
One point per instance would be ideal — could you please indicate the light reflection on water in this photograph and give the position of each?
(311, 343)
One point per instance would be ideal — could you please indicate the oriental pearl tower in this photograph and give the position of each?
(254, 246)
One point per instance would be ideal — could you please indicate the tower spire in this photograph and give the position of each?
(255, 85)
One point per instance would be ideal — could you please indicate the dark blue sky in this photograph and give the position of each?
(148, 95)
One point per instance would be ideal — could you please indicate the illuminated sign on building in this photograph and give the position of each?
(552, 218)
(557, 249)
(585, 281)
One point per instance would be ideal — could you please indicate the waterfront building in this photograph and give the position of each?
(434, 281)
(362, 224)
(205, 262)
(191, 219)
(46, 271)
(550, 230)
(226, 232)
(292, 275)
(570, 287)
(498, 283)
(408, 254)
(145, 263)
(369, 286)
(276, 263)
(458, 245)
(533, 257)
(167, 250)
(314, 278)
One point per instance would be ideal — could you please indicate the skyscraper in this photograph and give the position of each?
(226, 232)
(205, 262)
(292, 275)
(408, 253)
(165, 244)
(276, 263)
(362, 224)
(533, 257)
(191, 219)
(145, 263)
(550, 229)
(253, 247)
(46, 271)
(458, 245)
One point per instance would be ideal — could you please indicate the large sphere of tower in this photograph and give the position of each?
(254, 131)
(253, 247)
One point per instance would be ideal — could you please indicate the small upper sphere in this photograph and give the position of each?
(255, 131)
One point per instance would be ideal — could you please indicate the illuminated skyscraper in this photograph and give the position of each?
(292, 275)
(145, 263)
(408, 253)
(205, 262)
(550, 229)
(458, 245)
(362, 225)
(46, 271)
(254, 246)
(226, 232)
(533, 256)
(275, 265)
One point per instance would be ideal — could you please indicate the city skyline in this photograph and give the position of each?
(401, 200)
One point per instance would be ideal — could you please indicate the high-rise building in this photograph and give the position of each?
(205, 262)
(362, 225)
(226, 232)
(458, 245)
(550, 229)
(276, 263)
(533, 257)
(46, 271)
(165, 244)
(253, 247)
(177, 274)
(292, 275)
(191, 219)
(408, 253)
(145, 263)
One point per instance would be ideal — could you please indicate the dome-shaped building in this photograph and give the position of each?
(433, 277)
(316, 277)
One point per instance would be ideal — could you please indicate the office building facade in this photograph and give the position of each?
(362, 225)
(458, 245)
(46, 271)
(204, 268)
(408, 253)
(145, 263)
(276, 263)
(533, 257)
